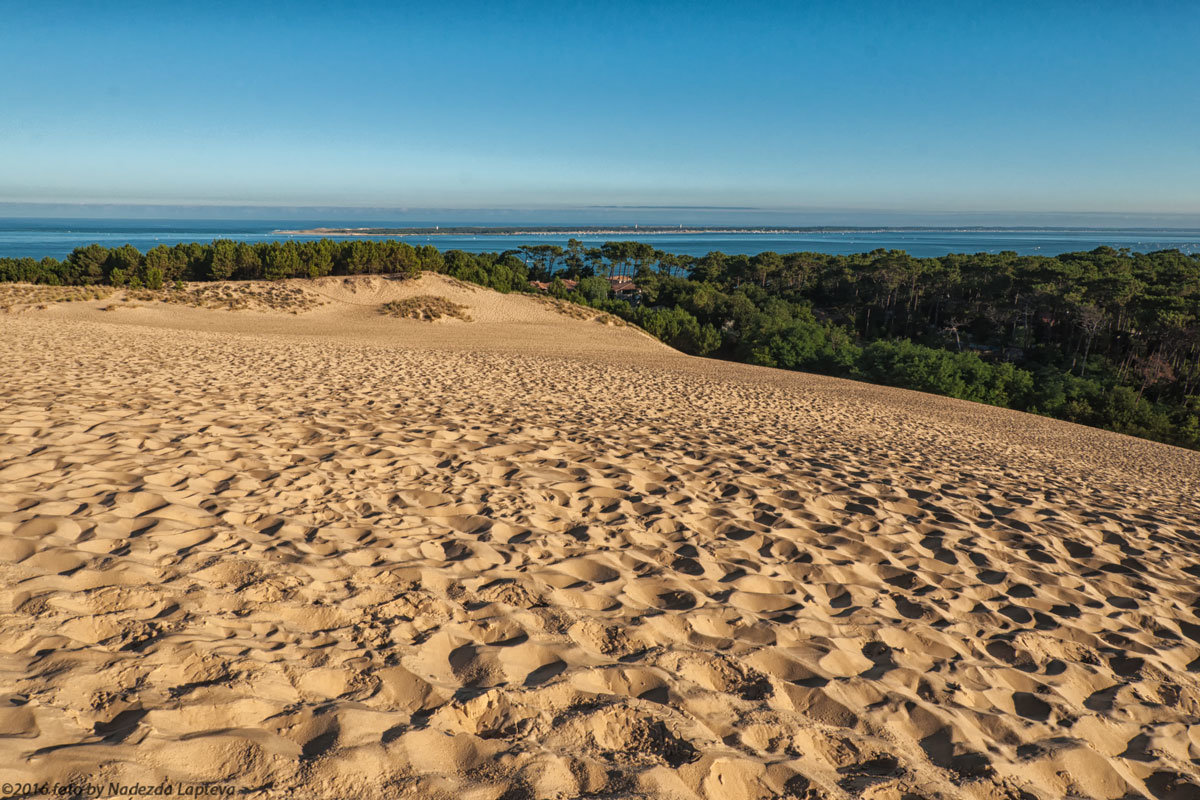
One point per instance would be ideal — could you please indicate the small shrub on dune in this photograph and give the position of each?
(14, 297)
(425, 307)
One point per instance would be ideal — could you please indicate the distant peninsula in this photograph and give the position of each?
(552, 230)
(619, 230)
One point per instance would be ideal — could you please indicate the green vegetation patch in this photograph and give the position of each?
(582, 312)
(567, 308)
(425, 307)
(232, 296)
(15, 297)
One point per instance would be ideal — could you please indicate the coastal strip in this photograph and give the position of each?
(550, 230)
(617, 230)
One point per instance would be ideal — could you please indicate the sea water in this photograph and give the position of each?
(38, 238)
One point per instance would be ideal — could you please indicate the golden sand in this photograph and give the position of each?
(333, 553)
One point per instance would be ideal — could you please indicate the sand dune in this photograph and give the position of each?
(334, 553)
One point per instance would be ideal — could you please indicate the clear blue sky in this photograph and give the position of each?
(1071, 106)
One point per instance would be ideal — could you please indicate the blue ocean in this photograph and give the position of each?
(38, 238)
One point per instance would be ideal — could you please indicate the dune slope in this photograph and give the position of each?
(334, 553)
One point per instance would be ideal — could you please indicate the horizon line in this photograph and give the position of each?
(579, 207)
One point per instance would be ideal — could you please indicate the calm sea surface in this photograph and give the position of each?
(39, 238)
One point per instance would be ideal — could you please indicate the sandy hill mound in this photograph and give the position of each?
(358, 307)
(336, 553)
(373, 291)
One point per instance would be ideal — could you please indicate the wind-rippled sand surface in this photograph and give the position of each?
(335, 554)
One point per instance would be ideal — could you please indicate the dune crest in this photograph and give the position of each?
(336, 553)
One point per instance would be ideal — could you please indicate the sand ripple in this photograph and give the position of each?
(337, 568)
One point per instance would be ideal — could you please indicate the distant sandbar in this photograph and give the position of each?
(620, 230)
(532, 231)
(550, 230)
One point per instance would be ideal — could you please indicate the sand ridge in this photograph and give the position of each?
(333, 553)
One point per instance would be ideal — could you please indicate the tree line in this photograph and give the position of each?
(221, 260)
(1105, 338)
